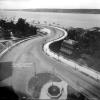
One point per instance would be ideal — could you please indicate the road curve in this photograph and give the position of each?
(28, 57)
(84, 69)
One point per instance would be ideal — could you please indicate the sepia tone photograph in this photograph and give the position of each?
(49, 49)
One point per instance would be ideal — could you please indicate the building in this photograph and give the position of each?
(68, 47)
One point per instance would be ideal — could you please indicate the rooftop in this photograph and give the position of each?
(71, 42)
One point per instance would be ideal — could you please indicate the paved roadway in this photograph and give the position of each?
(28, 57)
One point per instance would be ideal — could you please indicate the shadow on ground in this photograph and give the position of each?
(6, 70)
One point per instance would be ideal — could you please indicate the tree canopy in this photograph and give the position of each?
(19, 29)
(88, 40)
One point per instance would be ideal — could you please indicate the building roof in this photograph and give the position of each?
(71, 42)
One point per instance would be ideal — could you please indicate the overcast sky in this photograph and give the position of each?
(19, 4)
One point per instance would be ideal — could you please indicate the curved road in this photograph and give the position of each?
(28, 58)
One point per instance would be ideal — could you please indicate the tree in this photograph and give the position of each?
(2, 23)
(20, 25)
(6, 34)
(20, 29)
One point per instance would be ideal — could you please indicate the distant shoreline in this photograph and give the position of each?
(81, 11)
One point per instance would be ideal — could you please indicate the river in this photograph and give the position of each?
(62, 19)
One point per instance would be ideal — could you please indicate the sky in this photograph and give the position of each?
(62, 4)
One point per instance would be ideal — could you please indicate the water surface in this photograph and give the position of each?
(64, 19)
